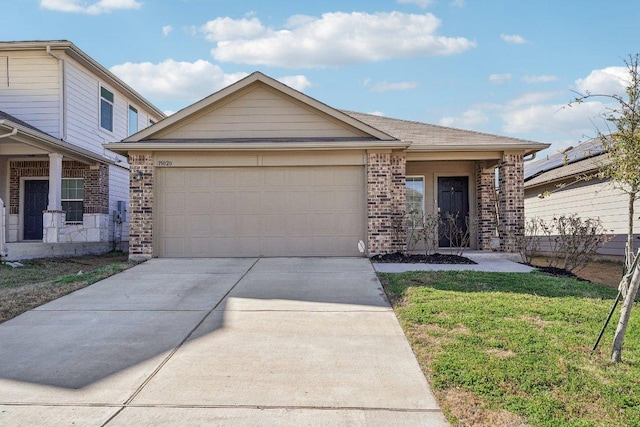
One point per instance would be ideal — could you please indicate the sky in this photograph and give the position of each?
(506, 67)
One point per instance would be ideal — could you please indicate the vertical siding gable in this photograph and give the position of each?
(259, 112)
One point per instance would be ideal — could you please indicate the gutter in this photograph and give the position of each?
(56, 144)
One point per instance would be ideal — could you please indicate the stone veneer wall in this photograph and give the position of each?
(511, 201)
(141, 207)
(386, 202)
(486, 208)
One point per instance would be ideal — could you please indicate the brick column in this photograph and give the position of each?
(141, 206)
(486, 197)
(386, 202)
(511, 201)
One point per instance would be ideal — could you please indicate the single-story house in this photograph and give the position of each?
(260, 169)
(555, 186)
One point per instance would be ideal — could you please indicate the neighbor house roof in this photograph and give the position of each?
(427, 137)
(31, 135)
(74, 52)
(585, 158)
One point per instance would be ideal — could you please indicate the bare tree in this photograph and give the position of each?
(622, 144)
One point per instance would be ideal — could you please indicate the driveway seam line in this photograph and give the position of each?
(179, 346)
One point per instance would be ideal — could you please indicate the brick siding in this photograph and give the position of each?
(386, 203)
(511, 201)
(141, 207)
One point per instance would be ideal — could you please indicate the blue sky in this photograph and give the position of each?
(500, 66)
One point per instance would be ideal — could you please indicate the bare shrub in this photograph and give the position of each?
(569, 240)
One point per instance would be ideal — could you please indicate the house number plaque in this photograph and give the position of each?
(165, 163)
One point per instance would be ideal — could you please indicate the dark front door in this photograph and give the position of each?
(453, 205)
(36, 196)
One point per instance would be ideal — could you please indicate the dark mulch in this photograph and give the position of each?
(559, 272)
(436, 258)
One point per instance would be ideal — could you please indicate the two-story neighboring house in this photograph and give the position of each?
(62, 192)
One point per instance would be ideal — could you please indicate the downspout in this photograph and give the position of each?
(63, 98)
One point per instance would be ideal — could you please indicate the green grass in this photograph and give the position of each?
(519, 343)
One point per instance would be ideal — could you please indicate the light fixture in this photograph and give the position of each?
(137, 175)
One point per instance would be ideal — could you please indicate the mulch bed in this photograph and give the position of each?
(436, 258)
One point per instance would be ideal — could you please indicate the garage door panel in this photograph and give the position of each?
(261, 211)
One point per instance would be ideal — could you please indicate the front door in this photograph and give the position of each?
(453, 205)
(36, 196)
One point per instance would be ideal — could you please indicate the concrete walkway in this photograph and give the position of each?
(306, 341)
(485, 261)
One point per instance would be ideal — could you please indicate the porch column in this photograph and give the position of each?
(386, 202)
(511, 200)
(55, 182)
(141, 206)
(487, 209)
(53, 217)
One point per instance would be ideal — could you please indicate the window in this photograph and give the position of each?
(415, 200)
(72, 198)
(106, 109)
(133, 120)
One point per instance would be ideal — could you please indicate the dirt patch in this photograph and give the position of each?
(42, 280)
(501, 354)
(471, 411)
(436, 258)
(607, 273)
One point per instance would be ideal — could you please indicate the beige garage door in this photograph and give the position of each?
(260, 211)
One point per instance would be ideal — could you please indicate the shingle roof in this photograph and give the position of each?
(424, 135)
(585, 158)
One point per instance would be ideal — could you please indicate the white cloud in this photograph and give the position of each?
(377, 113)
(385, 86)
(468, 119)
(499, 78)
(421, 3)
(187, 82)
(228, 29)
(334, 39)
(513, 38)
(610, 80)
(97, 8)
(299, 82)
(166, 30)
(171, 80)
(458, 3)
(539, 79)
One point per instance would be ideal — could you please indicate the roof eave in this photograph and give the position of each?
(527, 148)
(55, 145)
(125, 147)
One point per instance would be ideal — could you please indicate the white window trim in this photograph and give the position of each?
(423, 179)
(130, 108)
(73, 200)
(113, 108)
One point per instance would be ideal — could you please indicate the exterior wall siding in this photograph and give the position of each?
(592, 199)
(118, 191)
(33, 90)
(486, 197)
(260, 113)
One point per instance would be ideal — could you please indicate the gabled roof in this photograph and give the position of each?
(252, 79)
(74, 52)
(25, 132)
(427, 137)
(587, 157)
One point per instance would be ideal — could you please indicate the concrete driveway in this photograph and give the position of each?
(287, 341)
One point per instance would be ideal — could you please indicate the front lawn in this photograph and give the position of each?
(513, 349)
(42, 280)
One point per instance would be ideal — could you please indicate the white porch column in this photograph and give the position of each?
(55, 182)
(53, 217)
